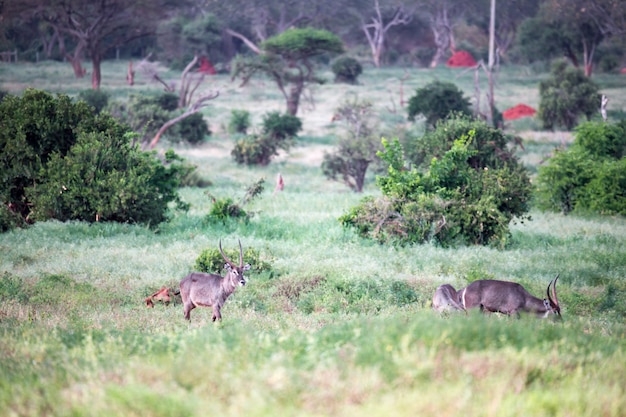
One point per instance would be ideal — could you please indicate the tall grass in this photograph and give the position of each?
(339, 326)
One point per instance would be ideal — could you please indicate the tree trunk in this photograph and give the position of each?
(293, 100)
(96, 75)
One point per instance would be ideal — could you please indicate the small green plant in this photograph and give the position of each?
(239, 121)
(192, 129)
(565, 96)
(346, 70)
(436, 101)
(225, 209)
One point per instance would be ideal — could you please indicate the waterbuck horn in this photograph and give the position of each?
(228, 260)
(552, 284)
(241, 255)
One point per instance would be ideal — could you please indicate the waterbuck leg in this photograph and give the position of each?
(216, 313)
(188, 308)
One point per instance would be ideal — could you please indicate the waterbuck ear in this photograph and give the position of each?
(246, 267)
(227, 266)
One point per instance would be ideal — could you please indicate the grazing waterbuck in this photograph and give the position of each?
(446, 298)
(509, 298)
(199, 289)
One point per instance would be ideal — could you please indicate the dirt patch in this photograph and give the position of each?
(461, 59)
(519, 111)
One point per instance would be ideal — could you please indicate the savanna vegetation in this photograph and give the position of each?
(329, 323)
(136, 135)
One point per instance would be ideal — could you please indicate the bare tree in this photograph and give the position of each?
(442, 15)
(380, 20)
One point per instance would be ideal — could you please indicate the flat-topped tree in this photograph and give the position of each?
(287, 59)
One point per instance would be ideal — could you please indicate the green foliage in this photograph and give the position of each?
(346, 70)
(358, 149)
(104, 178)
(225, 209)
(303, 43)
(192, 129)
(259, 149)
(97, 99)
(590, 175)
(212, 262)
(288, 61)
(436, 101)
(12, 288)
(466, 197)
(239, 121)
(565, 96)
(35, 128)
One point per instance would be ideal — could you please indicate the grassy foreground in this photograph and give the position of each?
(340, 326)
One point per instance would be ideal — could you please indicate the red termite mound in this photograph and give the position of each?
(517, 112)
(461, 59)
(206, 66)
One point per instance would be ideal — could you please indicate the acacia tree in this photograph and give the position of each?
(287, 59)
(97, 27)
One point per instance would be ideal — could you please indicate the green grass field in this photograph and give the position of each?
(340, 326)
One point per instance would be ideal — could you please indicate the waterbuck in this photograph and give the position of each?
(446, 298)
(509, 298)
(210, 290)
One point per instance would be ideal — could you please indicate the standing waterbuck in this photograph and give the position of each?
(509, 298)
(211, 290)
(446, 298)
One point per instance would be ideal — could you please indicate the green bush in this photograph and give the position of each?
(346, 70)
(104, 178)
(35, 127)
(436, 101)
(225, 209)
(565, 96)
(211, 261)
(278, 133)
(463, 198)
(192, 129)
(239, 121)
(590, 175)
(97, 99)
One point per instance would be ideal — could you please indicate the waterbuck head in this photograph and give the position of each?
(552, 303)
(235, 272)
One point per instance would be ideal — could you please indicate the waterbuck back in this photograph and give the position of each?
(508, 298)
(199, 289)
(446, 298)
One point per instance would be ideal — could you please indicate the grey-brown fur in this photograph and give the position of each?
(199, 289)
(508, 298)
(446, 298)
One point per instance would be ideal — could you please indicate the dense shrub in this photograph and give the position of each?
(436, 100)
(97, 99)
(239, 121)
(463, 198)
(61, 161)
(278, 133)
(590, 176)
(192, 129)
(104, 178)
(34, 127)
(565, 96)
(346, 70)
(212, 262)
